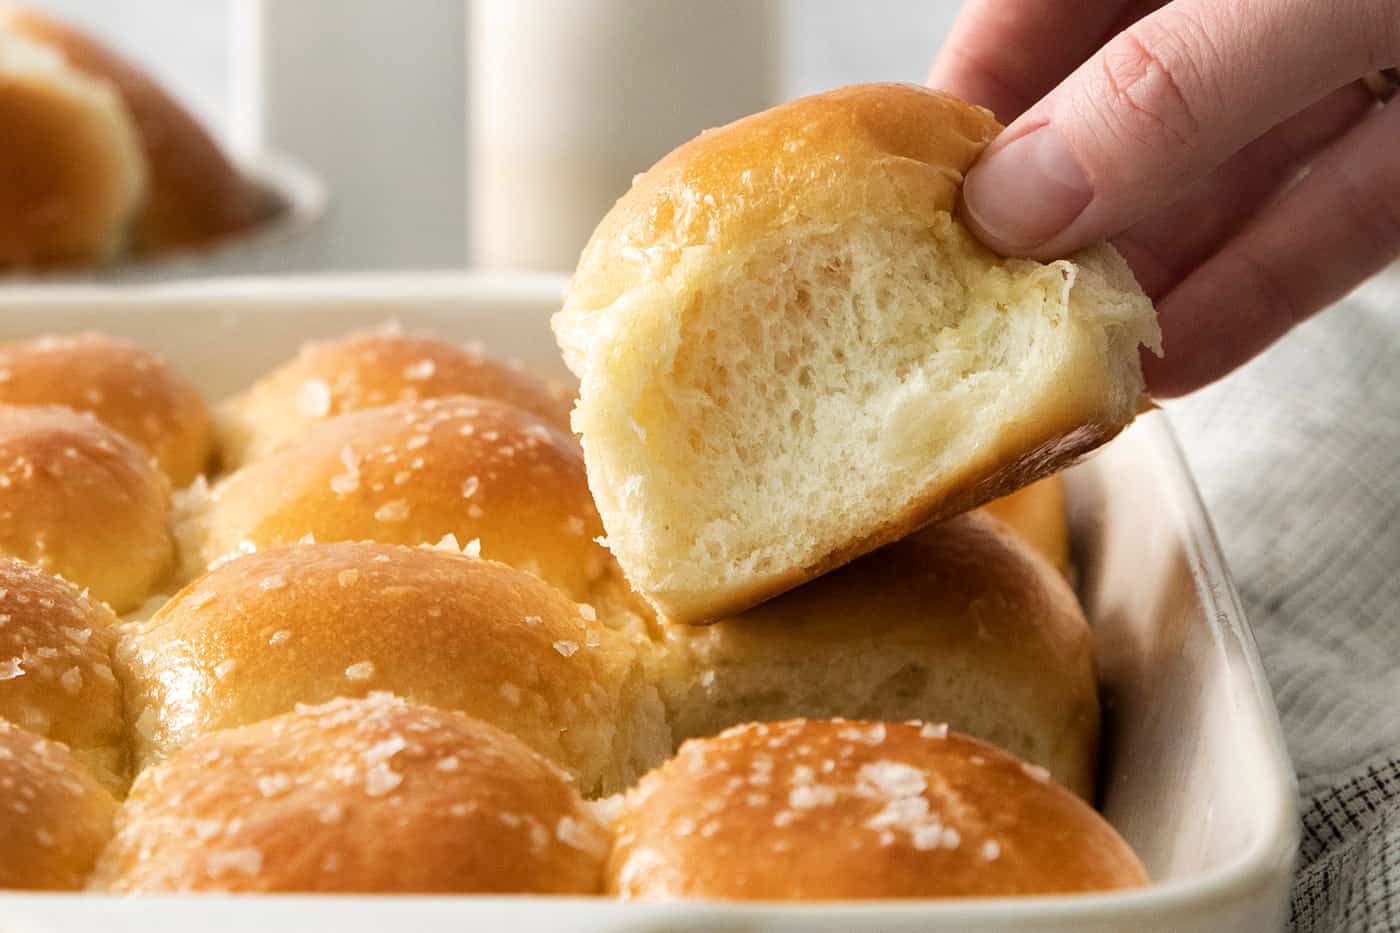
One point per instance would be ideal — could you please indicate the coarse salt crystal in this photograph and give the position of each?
(246, 861)
(469, 486)
(565, 647)
(421, 370)
(279, 636)
(395, 510)
(314, 398)
(363, 670)
(72, 681)
(273, 785)
(934, 730)
(991, 850)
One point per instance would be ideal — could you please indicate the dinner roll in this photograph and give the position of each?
(56, 668)
(131, 390)
(807, 810)
(71, 171)
(792, 352)
(370, 796)
(366, 370)
(411, 473)
(195, 195)
(312, 622)
(54, 817)
(82, 502)
(1037, 513)
(960, 622)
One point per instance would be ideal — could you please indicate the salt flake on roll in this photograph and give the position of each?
(792, 351)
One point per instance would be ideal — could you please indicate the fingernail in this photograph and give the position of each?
(1024, 193)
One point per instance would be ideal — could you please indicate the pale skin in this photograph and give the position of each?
(1226, 147)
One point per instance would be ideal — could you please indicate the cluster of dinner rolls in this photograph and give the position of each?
(378, 637)
(99, 162)
(376, 646)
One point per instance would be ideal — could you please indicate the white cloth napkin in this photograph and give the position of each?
(1298, 458)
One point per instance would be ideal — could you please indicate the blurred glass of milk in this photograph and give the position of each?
(569, 99)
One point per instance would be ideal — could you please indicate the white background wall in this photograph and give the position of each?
(189, 45)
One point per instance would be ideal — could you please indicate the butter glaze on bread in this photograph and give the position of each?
(791, 351)
(56, 676)
(312, 622)
(54, 816)
(82, 502)
(134, 392)
(959, 623)
(367, 370)
(476, 469)
(828, 810)
(370, 796)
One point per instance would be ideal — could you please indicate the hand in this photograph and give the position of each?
(1225, 146)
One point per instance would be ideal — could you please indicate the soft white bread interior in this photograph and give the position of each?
(826, 810)
(311, 622)
(791, 350)
(1039, 515)
(82, 502)
(133, 391)
(72, 175)
(494, 477)
(54, 816)
(366, 370)
(959, 623)
(371, 795)
(56, 676)
(194, 195)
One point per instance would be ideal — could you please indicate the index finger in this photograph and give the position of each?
(1007, 54)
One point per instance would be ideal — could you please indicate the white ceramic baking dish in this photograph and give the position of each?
(1195, 774)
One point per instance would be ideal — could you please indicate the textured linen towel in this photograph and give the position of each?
(1298, 458)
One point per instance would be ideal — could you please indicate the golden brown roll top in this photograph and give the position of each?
(56, 675)
(959, 623)
(54, 817)
(134, 392)
(1038, 514)
(477, 469)
(71, 171)
(194, 194)
(84, 503)
(367, 370)
(309, 623)
(826, 810)
(370, 795)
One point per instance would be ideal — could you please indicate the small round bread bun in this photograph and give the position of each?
(367, 370)
(54, 816)
(83, 502)
(195, 195)
(132, 391)
(959, 623)
(369, 796)
(72, 175)
(840, 810)
(56, 675)
(412, 473)
(312, 622)
(792, 351)
(1038, 514)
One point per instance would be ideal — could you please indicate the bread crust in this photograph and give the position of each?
(356, 796)
(828, 810)
(134, 392)
(84, 503)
